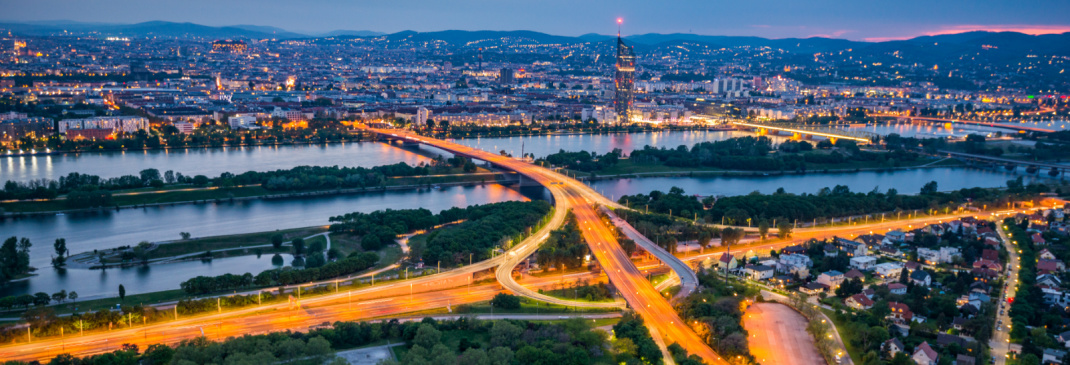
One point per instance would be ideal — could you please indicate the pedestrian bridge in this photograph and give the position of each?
(799, 131)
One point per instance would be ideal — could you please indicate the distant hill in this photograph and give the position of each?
(490, 37)
(997, 44)
(351, 33)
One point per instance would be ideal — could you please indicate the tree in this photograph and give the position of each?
(122, 292)
(184, 235)
(763, 228)
(929, 188)
(784, 230)
(200, 180)
(427, 336)
(276, 241)
(298, 246)
(59, 296)
(41, 298)
(60, 247)
(505, 301)
(73, 296)
(148, 175)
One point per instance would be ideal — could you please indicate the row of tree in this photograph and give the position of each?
(356, 262)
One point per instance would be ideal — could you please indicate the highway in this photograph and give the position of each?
(570, 194)
(449, 288)
(390, 300)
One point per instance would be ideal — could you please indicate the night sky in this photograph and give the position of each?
(850, 19)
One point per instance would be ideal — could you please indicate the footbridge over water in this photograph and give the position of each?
(800, 131)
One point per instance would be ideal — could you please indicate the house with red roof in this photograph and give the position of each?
(858, 301)
(925, 355)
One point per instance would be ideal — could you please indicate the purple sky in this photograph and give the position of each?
(851, 19)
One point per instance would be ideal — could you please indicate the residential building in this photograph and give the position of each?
(925, 355)
(858, 301)
(889, 269)
(831, 278)
(863, 263)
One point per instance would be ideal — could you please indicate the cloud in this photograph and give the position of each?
(956, 29)
(836, 34)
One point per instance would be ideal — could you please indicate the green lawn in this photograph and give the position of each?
(347, 244)
(106, 303)
(845, 336)
(230, 245)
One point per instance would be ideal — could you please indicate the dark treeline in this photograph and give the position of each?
(14, 258)
(84, 190)
(583, 160)
(461, 341)
(379, 228)
(754, 153)
(321, 177)
(484, 228)
(666, 232)
(632, 329)
(356, 262)
(828, 203)
(740, 153)
(565, 247)
(716, 307)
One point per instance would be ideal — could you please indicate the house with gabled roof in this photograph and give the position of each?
(925, 355)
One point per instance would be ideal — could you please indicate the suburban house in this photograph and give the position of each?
(863, 263)
(901, 313)
(1053, 356)
(859, 301)
(925, 355)
(813, 288)
(897, 288)
(920, 277)
(851, 248)
(941, 256)
(854, 274)
(889, 269)
(758, 272)
(831, 278)
(727, 261)
(794, 264)
(893, 347)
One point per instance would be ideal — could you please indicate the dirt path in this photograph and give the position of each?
(778, 335)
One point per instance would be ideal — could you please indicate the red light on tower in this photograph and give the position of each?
(620, 20)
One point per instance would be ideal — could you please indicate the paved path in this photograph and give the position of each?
(369, 355)
(778, 335)
(1000, 343)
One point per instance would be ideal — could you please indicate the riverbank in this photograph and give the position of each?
(627, 169)
(200, 248)
(144, 199)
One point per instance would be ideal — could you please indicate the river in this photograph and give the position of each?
(904, 181)
(98, 230)
(87, 231)
(214, 161)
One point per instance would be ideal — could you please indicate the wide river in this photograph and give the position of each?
(100, 230)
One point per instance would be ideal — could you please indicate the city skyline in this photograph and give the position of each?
(769, 18)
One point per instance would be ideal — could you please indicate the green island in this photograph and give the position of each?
(151, 187)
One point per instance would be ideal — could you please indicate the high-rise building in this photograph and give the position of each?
(422, 114)
(624, 81)
(505, 76)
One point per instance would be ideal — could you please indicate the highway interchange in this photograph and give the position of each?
(451, 288)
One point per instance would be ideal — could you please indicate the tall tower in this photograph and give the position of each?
(624, 80)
